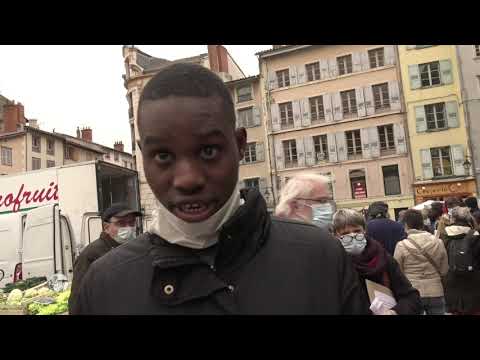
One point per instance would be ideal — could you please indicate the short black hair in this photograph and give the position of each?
(187, 80)
(452, 202)
(378, 209)
(472, 203)
(436, 210)
(413, 219)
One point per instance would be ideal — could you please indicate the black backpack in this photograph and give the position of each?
(460, 256)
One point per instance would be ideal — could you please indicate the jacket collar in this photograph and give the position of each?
(239, 238)
(415, 231)
(182, 269)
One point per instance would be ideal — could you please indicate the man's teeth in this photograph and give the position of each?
(193, 207)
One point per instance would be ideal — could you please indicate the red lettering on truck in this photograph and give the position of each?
(22, 196)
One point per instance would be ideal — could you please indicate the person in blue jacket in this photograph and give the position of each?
(381, 228)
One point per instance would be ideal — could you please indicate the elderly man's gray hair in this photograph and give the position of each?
(347, 217)
(299, 186)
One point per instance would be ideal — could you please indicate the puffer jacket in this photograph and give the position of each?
(423, 275)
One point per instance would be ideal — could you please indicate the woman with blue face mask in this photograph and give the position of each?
(374, 263)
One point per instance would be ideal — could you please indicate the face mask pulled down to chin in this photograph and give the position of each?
(198, 235)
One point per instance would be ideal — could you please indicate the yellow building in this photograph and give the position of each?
(438, 138)
(337, 110)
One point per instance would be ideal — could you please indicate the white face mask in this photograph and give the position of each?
(354, 243)
(125, 234)
(198, 235)
(322, 214)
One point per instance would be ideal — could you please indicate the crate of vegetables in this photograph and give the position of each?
(35, 301)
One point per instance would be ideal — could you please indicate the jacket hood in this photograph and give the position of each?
(455, 230)
(424, 239)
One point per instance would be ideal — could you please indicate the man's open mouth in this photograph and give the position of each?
(194, 211)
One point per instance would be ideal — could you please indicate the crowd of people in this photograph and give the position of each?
(214, 248)
(430, 255)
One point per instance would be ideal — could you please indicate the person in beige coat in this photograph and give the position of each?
(423, 259)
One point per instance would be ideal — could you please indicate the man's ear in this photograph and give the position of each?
(241, 137)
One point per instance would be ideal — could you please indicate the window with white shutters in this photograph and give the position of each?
(250, 153)
(50, 147)
(321, 148)
(387, 140)
(354, 144)
(376, 57)
(381, 97)
(286, 115)
(349, 103)
(441, 161)
(290, 153)
(36, 143)
(245, 117)
(435, 114)
(252, 183)
(316, 109)
(70, 153)
(476, 49)
(283, 78)
(313, 71)
(430, 74)
(6, 156)
(244, 93)
(344, 64)
(36, 163)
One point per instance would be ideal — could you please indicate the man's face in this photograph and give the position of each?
(115, 223)
(191, 153)
(302, 206)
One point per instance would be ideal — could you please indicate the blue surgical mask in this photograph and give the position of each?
(354, 243)
(322, 214)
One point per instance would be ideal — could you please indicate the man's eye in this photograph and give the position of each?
(209, 152)
(163, 157)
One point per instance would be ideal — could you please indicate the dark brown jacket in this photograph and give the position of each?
(92, 252)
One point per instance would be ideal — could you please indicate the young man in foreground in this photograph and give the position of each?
(212, 248)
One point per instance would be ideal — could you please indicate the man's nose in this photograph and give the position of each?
(189, 176)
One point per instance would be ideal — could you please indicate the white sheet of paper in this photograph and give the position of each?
(387, 300)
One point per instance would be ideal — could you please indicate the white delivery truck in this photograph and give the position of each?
(48, 216)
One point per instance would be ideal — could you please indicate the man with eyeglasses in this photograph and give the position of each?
(306, 197)
(119, 226)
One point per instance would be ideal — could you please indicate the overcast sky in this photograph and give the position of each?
(69, 86)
